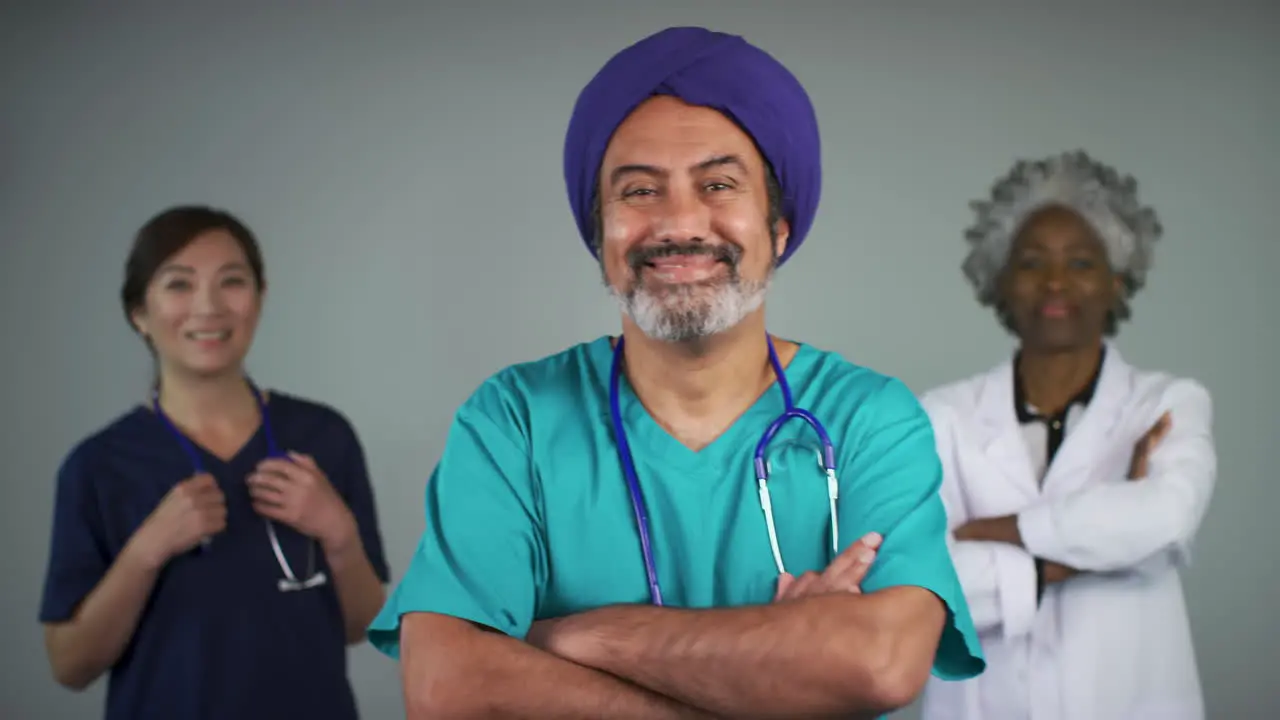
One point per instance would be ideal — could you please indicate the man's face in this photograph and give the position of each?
(1058, 286)
(686, 245)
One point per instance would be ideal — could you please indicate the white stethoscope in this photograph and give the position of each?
(289, 582)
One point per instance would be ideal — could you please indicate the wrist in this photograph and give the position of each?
(576, 638)
(143, 553)
(342, 537)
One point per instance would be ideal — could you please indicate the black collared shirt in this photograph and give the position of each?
(1044, 434)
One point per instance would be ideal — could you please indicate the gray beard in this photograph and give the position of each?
(691, 312)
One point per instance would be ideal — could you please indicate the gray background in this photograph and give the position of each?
(401, 163)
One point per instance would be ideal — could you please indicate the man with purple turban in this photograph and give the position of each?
(628, 528)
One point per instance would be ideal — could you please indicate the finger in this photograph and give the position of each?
(201, 481)
(784, 581)
(215, 519)
(1157, 429)
(1161, 429)
(268, 494)
(272, 511)
(208, 491)
(856, 554)
(206, 501)
(281, 467)
(304, 460)
(269, 481)
(802, 586)
(859, 573)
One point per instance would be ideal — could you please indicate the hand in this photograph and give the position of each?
(191, 511)
(546, 634)
(296, 492)
(1057, 572)
(1138, 466)
(844, 574)
(997, 529)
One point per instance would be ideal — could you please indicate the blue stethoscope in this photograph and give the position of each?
(289, 582)
(826, 460)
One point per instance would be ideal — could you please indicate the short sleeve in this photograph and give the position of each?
(357, 492)
(893, 489)
(78, 551)
(482, 554)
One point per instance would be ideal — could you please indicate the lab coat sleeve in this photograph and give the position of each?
(999, 583)
(894, 476)
(482, 555)
(999, 580)
(1122, 525)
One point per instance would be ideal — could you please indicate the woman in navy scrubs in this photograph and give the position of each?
(215, 548)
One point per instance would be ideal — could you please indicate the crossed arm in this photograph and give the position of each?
(1117, 526)
(1105, 527)
(831, 655)
(818, 650)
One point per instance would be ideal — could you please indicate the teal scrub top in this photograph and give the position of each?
(528, 514)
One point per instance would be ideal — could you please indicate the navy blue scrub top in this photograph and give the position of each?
(217, 639)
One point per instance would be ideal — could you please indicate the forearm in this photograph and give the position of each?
(487, 675)
(823, 656)
(1111, 527)
(84, 647)
(999, 583)
(360, 592)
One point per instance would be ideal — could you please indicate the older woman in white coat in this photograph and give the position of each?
(1074, 481)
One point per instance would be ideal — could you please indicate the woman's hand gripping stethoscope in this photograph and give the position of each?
(192, 511)
(844, 574)
(296, 492)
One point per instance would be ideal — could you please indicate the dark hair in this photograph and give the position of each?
(165, 235)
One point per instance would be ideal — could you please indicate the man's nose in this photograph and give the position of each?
(683, 217)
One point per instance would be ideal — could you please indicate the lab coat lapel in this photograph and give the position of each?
(1088, 445)
(999, 434)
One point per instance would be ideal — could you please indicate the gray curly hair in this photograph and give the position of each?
(1105, 199)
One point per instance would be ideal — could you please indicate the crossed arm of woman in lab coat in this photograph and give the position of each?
(1103, 527)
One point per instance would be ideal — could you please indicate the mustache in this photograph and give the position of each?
(638, 257)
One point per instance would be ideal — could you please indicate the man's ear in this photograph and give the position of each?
(782, 233)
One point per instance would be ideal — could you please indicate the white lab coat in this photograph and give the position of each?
(1112, 643)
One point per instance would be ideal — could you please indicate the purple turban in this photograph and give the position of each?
(710, 69)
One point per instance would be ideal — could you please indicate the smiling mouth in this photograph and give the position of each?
(204, 336)
(690, 268)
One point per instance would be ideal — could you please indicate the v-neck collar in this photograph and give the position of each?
(651, 443)
(211, 459)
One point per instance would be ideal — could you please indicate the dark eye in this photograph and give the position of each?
(177, 284)
(1083, 264)
(1028, 262)
(718, 186)
(234, 281)
(637, 192)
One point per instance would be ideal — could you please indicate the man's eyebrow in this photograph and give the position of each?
(623, 171)
(721, 161)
